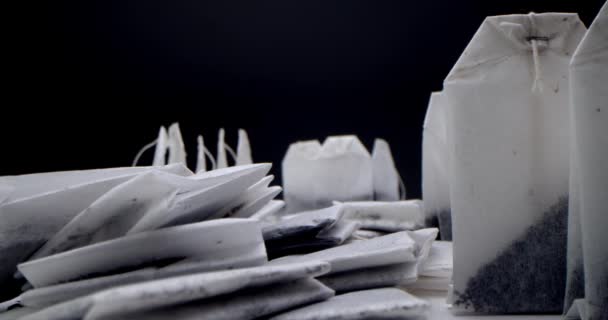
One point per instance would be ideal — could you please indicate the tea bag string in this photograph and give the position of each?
(537, 85)
(210, 156)
(230, 151)
(142, 150)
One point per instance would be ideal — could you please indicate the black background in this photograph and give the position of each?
(87, 83)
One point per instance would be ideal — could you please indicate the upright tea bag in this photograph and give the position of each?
(435, 167)
(177, 150)
(508, 121)
(386, 177)
(243, 149)
(160, 152)
(314, 175)
(222, 160)
(589, 79)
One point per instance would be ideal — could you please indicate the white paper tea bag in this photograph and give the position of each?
(386, 177)
(113, 214)
(202, 204)
(243, 149)
(390, 249)
(385, 303)
(32, 214)
(270, 211)
(249, 252)
(435, 167)
(385, 216)
(245, 304)
(177, 150)
(589, 79)
(175, 290)
(314, 175)
(221, 159)
(132, 251)
(508, 121)
(160, 152)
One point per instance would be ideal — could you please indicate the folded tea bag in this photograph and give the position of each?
(269, 211)
(221, 159)
(390, 249)
(589, 76)
(138, 249)
(314, 175)
(177, 150)
(202, 204)
(385, 216)
(245, 304)
(435, 167)
(243, 149)
(149, 295)
(338, 233)
(385, 303)
(508, 121)
(250, 253)
(250, 201)
(386, 177)
(29, 218)
(384, 276)
(298, 234)
(113, 214)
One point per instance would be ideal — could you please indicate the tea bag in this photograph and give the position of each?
(314, 175)
(298, 234)
(589, 75)
(385, 216)
(114, 213)
(177, 150)
(390, 249)
(386, 177)
(252, 200)
(150, 295)
(269, 211)
(222, 160)
(385, 303)
(435, 167)
(160, 152)
(384, 276)
(250, 253)
(200, 205)
(435, 272)
(245, 304)
(32, 214)
(508, 121)
(243, 149)
(136, 250)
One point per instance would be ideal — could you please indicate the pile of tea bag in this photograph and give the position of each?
(513, 167)
(162, 241)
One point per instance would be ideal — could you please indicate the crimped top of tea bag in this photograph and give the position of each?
(501, 37)
(332, 146)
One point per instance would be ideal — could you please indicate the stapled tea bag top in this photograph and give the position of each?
(589, 81)
(508, 121)
(435, 166)
(314, 175)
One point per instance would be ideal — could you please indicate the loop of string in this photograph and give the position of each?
(142, 150)
(537, 85)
